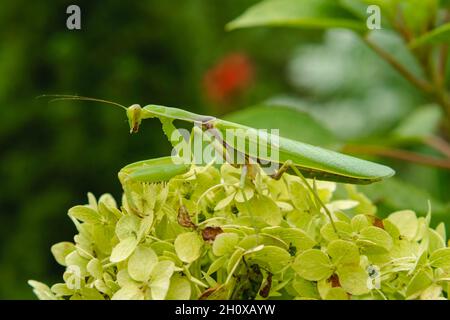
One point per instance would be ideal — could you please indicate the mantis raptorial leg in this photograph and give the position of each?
(247, 169)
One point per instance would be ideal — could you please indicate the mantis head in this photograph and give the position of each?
(134, 117)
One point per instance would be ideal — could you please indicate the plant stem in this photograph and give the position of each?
(443, 57)
(442, 65)
(419, 83)
(438, 144)
(398, 154)
(436, 89)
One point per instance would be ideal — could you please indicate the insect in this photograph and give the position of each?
(310, 161)
(304, 160)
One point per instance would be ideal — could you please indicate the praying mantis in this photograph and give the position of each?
(310, 161)
(305, 160)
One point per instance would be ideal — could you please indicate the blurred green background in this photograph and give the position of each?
(325, 88)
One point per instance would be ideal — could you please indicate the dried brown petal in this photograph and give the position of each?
(334, 279)
(184, 218)
(265, 290)
(378, 223)
(210, 233)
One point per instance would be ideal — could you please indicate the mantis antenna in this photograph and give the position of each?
(59, 97)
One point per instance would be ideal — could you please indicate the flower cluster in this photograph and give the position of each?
(202, 235)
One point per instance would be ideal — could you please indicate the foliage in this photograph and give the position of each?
(382, 93)
(125, 52)
(196, 237)
(337, 93)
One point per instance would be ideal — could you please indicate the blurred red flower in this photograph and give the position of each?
(229, 77)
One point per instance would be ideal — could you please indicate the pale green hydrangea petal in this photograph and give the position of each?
(407, 223)
(141, 263)
(225, 243)
(188, 246)
(313, 265)
(61, 250)
(124, 249)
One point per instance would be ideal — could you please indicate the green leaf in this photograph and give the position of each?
(141, 263)
(124, 249)
(297, 13)
(343, 252)
(418, 14)
(421, 123)
(313, 265)
(188, 246)
(435, 36)
(61, 250)
(225, 243)
(441, 258)
(292, 123)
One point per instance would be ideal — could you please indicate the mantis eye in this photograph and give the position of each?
(134, 117)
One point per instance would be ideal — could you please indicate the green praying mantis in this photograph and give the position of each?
(310, 161)
(304, 160)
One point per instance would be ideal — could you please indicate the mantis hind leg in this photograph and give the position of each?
(283, 169)
(289, 165)
(248, 170)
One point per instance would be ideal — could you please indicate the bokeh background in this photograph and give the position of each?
(325, 88)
